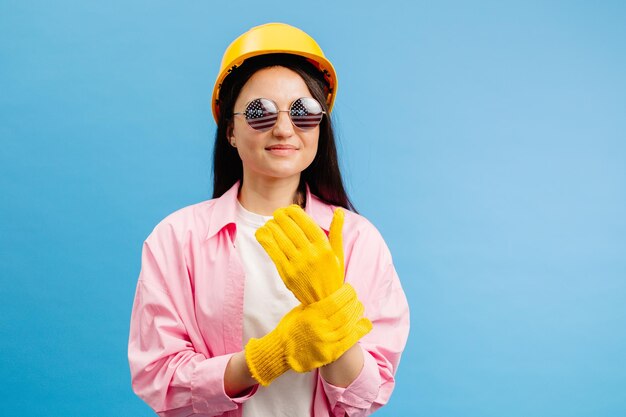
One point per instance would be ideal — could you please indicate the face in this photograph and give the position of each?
(284, 151)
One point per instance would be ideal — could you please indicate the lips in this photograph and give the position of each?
(282, 150)
(281, 147)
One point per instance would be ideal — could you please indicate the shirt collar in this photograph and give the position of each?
(225, 211)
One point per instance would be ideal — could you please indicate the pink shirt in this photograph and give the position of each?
(187, 315)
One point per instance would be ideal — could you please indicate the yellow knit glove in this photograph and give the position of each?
(309, 336)
(309, 263)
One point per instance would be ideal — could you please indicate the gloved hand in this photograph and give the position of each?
(309, 336)
(309, 263)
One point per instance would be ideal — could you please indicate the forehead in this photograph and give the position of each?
(276, 83)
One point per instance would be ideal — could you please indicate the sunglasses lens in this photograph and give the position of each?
(261, 114)
(306, 113)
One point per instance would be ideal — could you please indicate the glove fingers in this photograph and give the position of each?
(313, 344)
(339, 312)
(284, 243)
(312, 231)
(335, 236)
(266, 239)
(348, 339)
(348, 316)
(291, 229)
(336, 301)
(363, 327)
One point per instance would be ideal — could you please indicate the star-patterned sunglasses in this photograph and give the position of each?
(262, 113)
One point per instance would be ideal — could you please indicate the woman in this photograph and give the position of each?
(269, 299)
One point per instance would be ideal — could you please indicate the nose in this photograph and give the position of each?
(283, 127)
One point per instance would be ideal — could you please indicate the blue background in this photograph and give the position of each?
(486, 140)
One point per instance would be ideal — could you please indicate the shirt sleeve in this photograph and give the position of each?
(167, 372)
(370, 270)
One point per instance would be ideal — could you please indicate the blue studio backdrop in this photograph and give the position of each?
(486, 140)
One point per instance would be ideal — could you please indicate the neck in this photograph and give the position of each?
(265, 195)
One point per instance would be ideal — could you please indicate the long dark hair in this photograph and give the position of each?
(323, 175)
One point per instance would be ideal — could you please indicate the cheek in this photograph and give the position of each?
(251, 151)
(312, 145)
(244, 151)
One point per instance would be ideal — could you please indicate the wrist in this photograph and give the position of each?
(237, 377)
(342, 372)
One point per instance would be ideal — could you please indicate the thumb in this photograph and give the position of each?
(335, 237)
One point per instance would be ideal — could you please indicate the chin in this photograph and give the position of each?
(277, 169)
(285, 171)
(284, 174)
(280, 173)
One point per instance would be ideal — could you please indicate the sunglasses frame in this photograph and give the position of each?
(243, 113)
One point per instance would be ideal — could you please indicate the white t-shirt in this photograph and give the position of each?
(266, 300)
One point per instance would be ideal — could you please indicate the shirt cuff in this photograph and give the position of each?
(209, 397)
(361, 393)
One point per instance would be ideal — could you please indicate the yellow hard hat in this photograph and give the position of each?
(269, 39)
